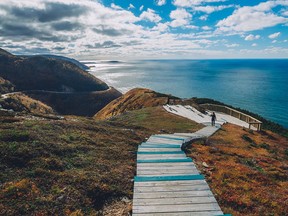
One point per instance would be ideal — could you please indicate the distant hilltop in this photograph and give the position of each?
(46, 73)
(56, 81)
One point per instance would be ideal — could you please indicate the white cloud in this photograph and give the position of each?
(131, 6)
(204, 17)
(190, 3)
(180, 17)
(232, 45)
(161, 27)
(274, 41)
(160, 2)
(254, 45)
(251, 37)
(249, 18)
(285, 13)
(151, 16)
(275, 35)
(206, 28)
(180, 14)
(210, 9)
(116, 7)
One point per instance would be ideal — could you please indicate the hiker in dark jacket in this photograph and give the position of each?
(213, 119)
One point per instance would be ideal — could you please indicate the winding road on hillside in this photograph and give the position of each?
(4, 96)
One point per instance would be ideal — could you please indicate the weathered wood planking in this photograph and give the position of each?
(172, 188)
(170, 183)
(167, 182)
(182, 213)
(173, 201)
(181, 207)
(172, 194)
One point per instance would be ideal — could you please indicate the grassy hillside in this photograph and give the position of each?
(134, 99)
(20, 102)
(246, 170)
(77, 103)
(44, 73)
(58, 83)
(5, 86)
(75, 166)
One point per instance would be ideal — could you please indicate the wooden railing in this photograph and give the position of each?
(235, 113)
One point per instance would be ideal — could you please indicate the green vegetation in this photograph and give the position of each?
(76, 166)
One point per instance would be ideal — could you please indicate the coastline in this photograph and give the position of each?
(202, 83)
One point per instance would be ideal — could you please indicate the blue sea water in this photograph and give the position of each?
(260, 86)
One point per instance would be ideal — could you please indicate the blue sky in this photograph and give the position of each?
(141, 29)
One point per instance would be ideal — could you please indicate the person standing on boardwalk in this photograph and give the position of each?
(213, 119)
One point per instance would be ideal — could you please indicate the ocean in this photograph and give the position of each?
(260, 86)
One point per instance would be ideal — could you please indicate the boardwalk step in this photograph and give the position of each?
(162, 152)
(180, 207)
(165, 160)
(167, 178)
(159, 146)
(140, 149)
(168, 137)
(187, 213)
(168, 183)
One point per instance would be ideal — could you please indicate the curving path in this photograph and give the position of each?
(167, 182)
(194, 115)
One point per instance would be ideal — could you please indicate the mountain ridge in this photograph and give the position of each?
(48, 78)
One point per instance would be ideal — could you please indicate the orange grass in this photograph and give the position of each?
(247, 177)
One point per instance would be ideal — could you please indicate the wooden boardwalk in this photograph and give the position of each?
(167, 182)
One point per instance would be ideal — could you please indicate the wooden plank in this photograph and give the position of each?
(167, 178)
(173, 201)
(156, 168)
(161, 146)
(161, 152)
(140, 149)
(171, 164)
(172, 187)
(165, 156)
(179, 207)
(170, 183)
(163, 173)
(182, 213)
(172, 194)
(168, 137)
(164, 168)
(165, 160)
(164, 141)
(167, 188)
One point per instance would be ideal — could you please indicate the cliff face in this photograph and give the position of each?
(134, 99)
(45, 73)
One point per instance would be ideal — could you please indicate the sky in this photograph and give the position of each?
(146, 29)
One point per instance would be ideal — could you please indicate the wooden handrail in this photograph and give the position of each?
(230, 111)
